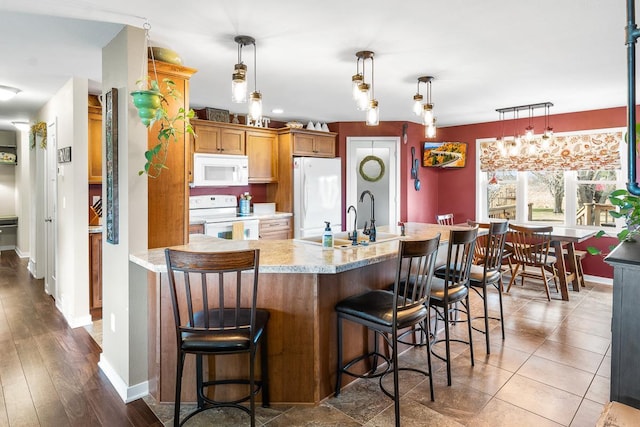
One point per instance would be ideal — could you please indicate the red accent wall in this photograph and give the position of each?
(454, 190)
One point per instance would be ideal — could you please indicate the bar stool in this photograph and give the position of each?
(385, 313)
(451, 286)
(214, 305)
(487, 270)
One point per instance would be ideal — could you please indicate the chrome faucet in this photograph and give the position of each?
(353, 237)
(371, 231)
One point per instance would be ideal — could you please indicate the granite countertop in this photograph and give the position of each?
(274, 215)
(294, 256)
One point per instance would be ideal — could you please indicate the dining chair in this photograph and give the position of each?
(451, 286)
(385, 313)
(530, 248)
(487, 271)
(445, 219)
(214, 297)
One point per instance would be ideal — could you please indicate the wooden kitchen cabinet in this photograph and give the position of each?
(168, 194)
(262, 151)
(95, 141)
(297, 142)
(313, 143)
(95, 274)
(218, 138)
(275, 229)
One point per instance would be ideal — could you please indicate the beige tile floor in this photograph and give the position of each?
(552, 369)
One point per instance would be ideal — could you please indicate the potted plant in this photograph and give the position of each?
(628, 207)
(151, 100)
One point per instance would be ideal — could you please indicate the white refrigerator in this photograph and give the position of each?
(317, 195)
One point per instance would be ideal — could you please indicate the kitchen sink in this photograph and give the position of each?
(341, 239)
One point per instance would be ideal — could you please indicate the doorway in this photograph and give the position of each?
(373, 164)
(50, 221)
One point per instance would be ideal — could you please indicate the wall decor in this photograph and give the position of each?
(111, 143)
(64, 155)
(444, 154)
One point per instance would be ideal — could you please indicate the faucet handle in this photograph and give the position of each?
(365, 228)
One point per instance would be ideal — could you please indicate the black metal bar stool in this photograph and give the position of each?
(214, 297)
(387, 312)
(451, 286)
(487, 270)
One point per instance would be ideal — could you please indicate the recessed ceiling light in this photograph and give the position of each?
(21, 125)
(8, 92)
(277, 111)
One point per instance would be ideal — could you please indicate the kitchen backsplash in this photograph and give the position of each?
(258, 191)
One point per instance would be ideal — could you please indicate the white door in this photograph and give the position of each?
(51, 185)
(373, 164)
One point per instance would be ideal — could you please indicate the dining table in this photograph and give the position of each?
(562, 236)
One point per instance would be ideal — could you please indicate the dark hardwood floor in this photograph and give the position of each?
(48, 371)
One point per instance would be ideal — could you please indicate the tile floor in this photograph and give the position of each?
(552, 369)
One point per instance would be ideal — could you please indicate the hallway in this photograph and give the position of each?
(49, 372)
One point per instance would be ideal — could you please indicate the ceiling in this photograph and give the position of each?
(483, 54)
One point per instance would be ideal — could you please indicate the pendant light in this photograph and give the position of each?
(356, 80)
(373, 112)
(528, 131)
(363, 93)
(239, 78)
(418, 108)
(255, 99)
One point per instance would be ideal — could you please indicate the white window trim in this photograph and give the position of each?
(570, 186)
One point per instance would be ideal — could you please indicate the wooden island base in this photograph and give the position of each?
(302, 334)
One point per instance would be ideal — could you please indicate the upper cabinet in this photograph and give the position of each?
(262, 150)
(95, 141)
(218, 138)
(311, 143)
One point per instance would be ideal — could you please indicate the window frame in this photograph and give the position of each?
(570, 187)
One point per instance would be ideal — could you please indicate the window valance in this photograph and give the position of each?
(594, 151)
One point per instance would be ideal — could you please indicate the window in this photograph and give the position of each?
(567, 184)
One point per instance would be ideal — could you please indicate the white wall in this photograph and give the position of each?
(69, 108)
(23, 195)
(124, 295)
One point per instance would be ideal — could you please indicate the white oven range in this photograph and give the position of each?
(219, 213)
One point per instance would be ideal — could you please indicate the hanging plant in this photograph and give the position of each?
(152, 101)
(39, 129)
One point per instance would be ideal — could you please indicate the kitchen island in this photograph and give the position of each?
(300, 283)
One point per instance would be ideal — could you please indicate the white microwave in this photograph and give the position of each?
(220, 170)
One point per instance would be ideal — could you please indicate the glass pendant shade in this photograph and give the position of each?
(373, 114)
(356, 81)
(548, 132)
(430, 130)
(255, 106)
(427, 114)
(528, 133)
(364, 95)
(417, 104)
(239, 87)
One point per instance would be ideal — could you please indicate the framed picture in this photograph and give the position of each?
(111, 148)
(444, 154)
(64, 155)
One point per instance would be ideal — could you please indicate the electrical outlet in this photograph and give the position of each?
(113, 323)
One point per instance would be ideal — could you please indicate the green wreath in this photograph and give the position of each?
(39, 129)
(372, 178)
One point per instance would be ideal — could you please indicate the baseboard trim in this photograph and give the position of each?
(126, 393)
(21, 254)
(598, 279)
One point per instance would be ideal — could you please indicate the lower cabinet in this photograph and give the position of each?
(95, 274)
(275, 229)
